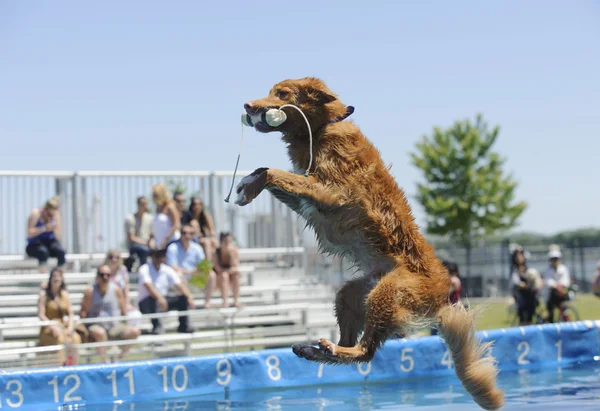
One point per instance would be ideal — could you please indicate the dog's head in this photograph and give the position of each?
(319, 104)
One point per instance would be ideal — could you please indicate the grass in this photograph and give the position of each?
(496, 315)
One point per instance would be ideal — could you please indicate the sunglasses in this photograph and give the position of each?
(103, 275)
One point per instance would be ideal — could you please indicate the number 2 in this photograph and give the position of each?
(522, 359)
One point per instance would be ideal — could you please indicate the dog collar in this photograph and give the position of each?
(349, 111)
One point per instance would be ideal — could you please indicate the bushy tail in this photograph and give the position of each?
(476, 371)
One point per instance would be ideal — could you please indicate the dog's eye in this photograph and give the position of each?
(283, 94)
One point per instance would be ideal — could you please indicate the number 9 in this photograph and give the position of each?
(224, 373)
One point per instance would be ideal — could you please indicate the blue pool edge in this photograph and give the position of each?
(534, 347)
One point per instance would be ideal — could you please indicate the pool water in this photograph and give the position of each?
(573, 388)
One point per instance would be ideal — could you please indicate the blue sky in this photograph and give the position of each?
(147, 85)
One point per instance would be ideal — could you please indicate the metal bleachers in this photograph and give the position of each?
(281, 305)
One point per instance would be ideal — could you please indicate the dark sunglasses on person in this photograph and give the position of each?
(106, 276)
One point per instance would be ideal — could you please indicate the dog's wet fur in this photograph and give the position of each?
(358, 211)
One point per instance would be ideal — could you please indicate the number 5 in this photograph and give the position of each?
(408, 358)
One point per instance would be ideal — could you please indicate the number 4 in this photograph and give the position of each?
(447, 359)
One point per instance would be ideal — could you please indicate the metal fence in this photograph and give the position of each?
(94, 205)
(489, 270)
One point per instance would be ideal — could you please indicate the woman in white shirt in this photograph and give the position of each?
(167, 221)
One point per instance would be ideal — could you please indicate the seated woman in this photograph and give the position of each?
(227, 268)
(204, 227)
(44, 234)
(54, 304)
(120, 276)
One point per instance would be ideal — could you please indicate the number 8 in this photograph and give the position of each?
(272, 362)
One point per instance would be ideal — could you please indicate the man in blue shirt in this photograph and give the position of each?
(184, 255)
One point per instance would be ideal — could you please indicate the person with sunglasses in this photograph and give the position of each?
(105, 299)
(184, 255)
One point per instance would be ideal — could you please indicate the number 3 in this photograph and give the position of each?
(16, 392)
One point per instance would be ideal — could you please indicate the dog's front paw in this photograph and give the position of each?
(251, 186)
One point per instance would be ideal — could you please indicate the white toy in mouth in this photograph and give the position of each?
(273, 117)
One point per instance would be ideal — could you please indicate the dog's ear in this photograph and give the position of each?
(320, 96)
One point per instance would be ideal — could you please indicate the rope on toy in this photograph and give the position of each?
(273, 117)
(310, 139)
(236, 165)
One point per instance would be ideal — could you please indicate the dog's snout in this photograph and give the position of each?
(249, 108)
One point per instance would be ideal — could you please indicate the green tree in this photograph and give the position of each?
(465, 194)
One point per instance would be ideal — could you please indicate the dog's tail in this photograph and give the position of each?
(476, 371)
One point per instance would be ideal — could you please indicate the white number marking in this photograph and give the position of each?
(522, 359)
(273, 370)
(16, 393)
(408, 358)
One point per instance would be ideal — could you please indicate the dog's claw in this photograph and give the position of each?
(327, 346)
(315, 354)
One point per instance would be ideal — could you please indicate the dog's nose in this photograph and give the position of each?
(249, 108)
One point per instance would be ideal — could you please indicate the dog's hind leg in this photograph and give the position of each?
(350, 312)
(350, 308)
(385, 316)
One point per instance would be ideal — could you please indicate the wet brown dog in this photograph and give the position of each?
(357, 210)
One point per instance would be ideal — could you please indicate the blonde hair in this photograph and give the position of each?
(109, 253)
(53, 203)
(164, 196)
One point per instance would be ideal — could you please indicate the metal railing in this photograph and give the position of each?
(27, 357)
(94, 205)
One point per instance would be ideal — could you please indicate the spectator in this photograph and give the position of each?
(557, 280)
(185, 216)
(44, 233)
(138, 230)
(204, 227)
(166, 222)
(524, 288)
(227, 266)
(455, 286)
(455, 281)
(120, 276)
(596, 281)
(154, 280)
(185, 255)
(54, 303)
(105, 299)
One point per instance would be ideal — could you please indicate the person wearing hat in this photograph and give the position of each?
(557, 280)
